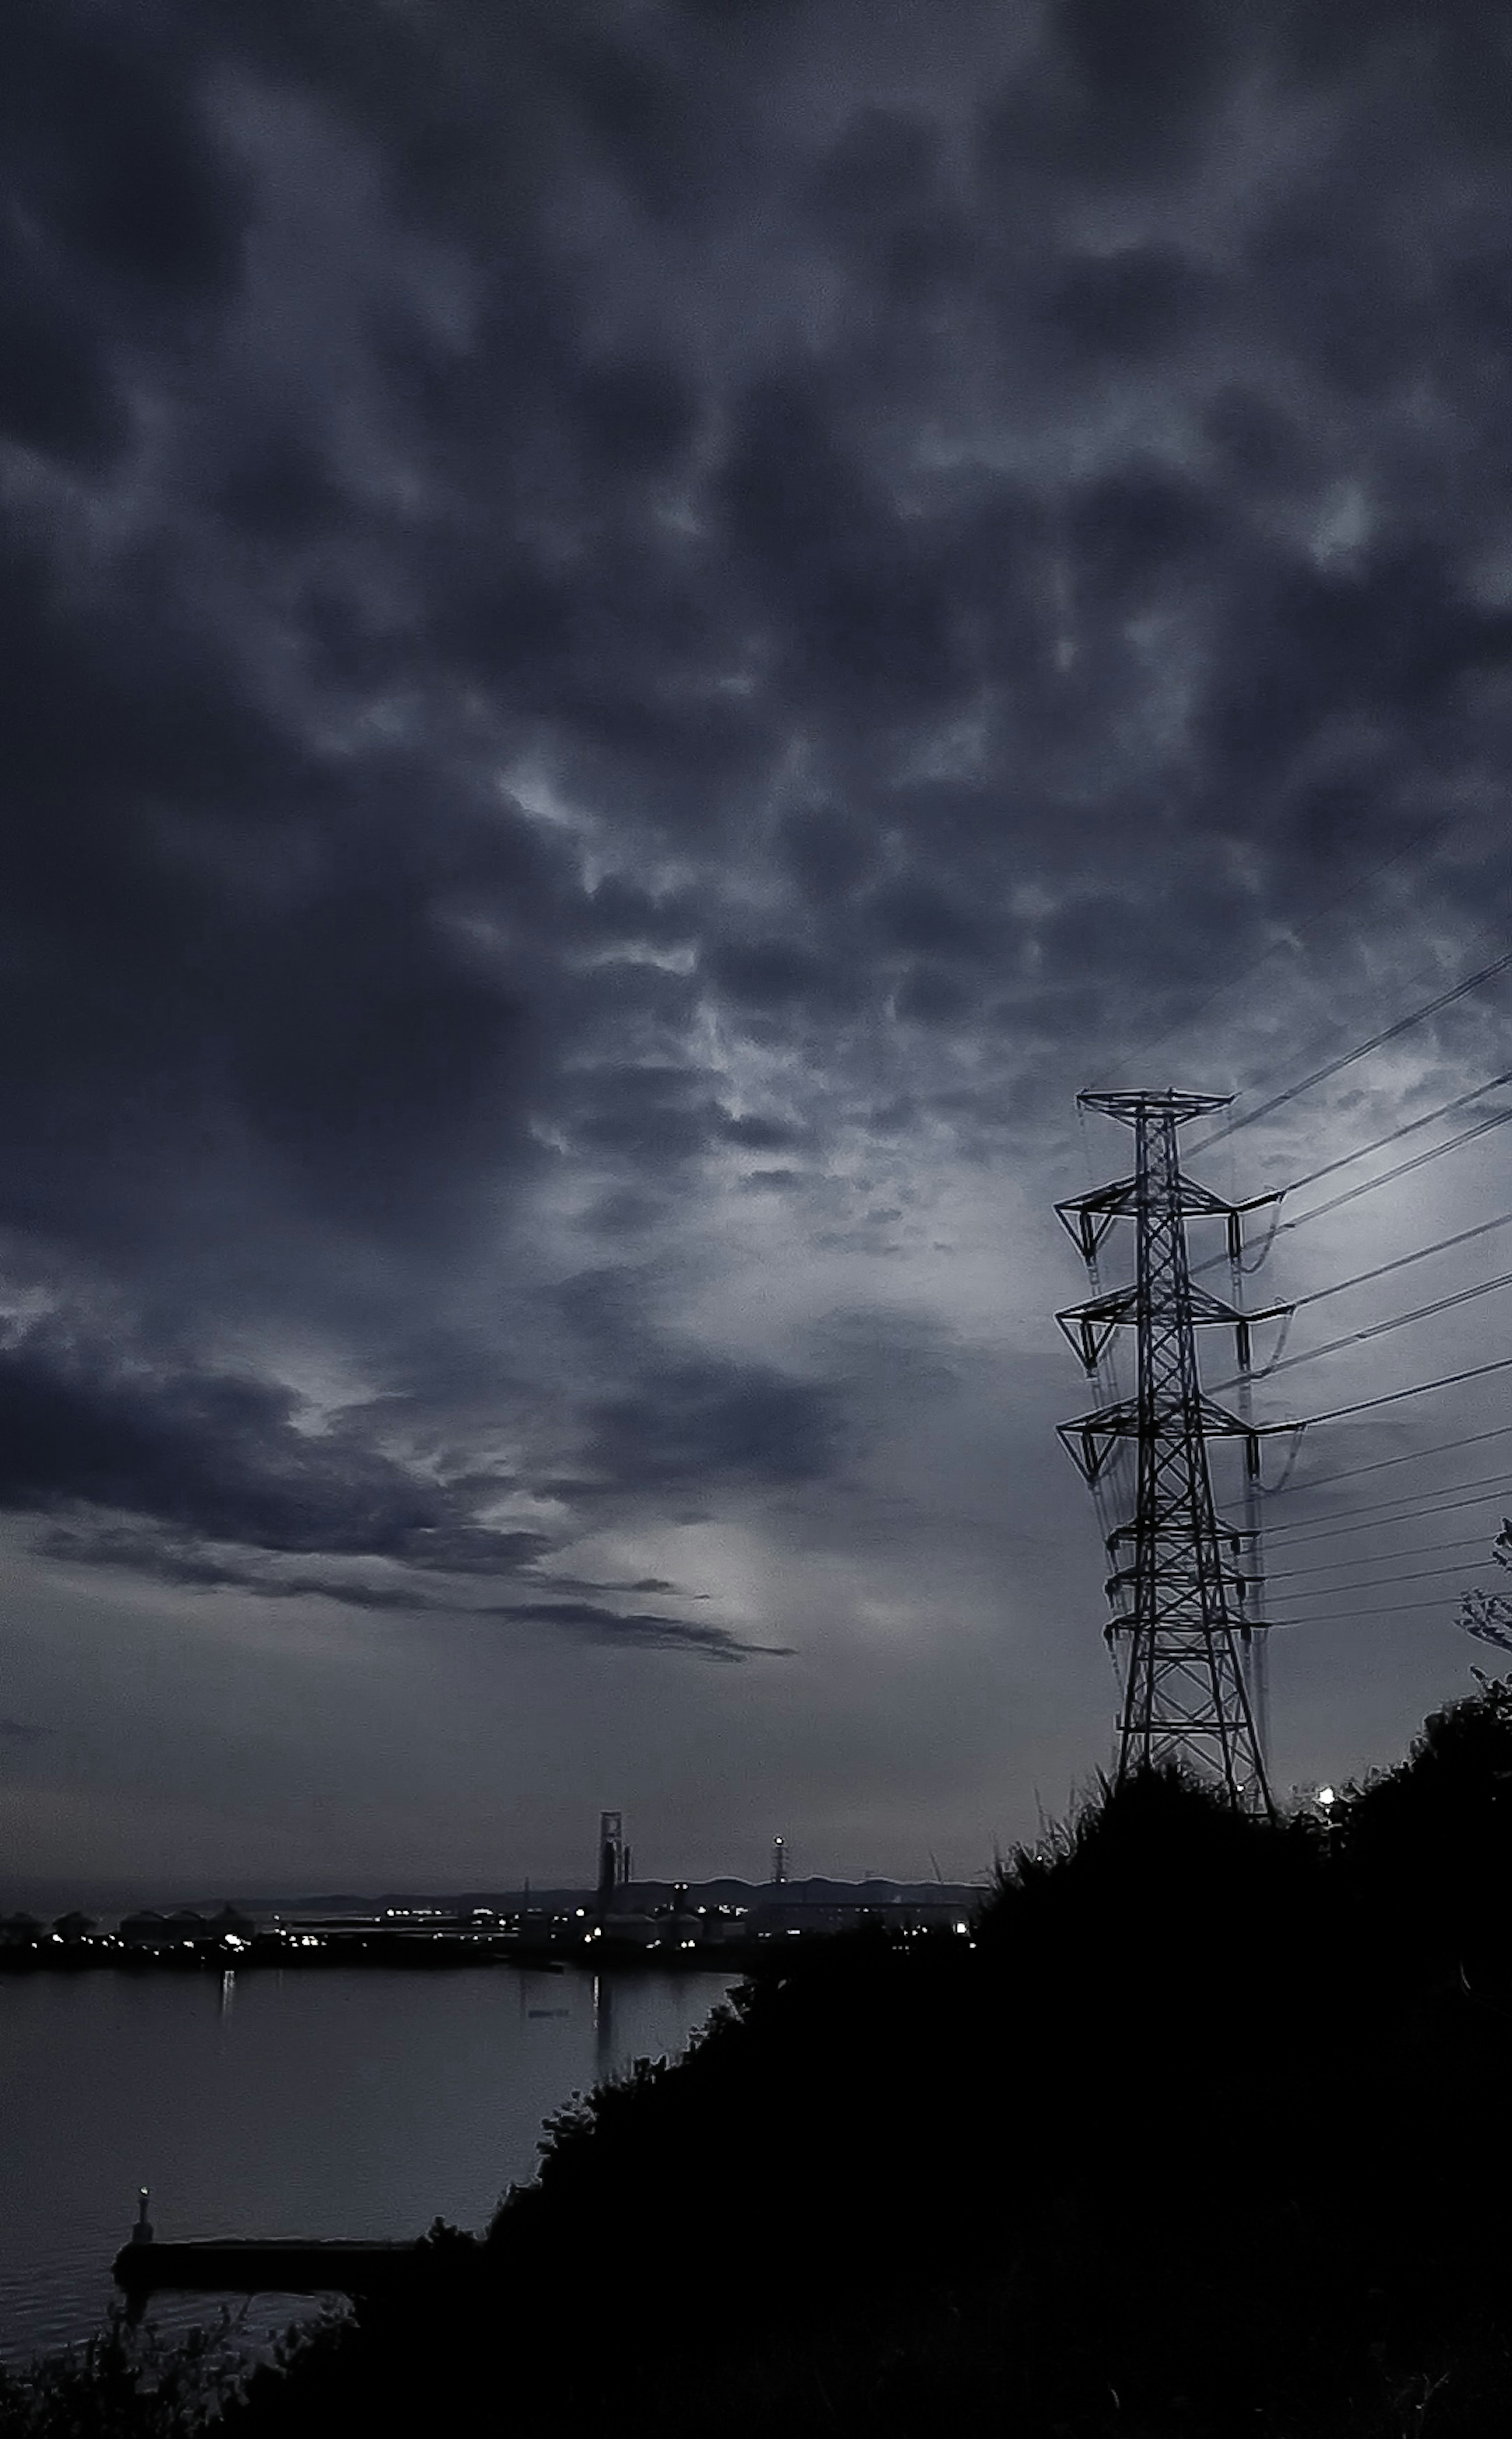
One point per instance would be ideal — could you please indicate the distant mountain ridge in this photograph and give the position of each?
(635, 1896)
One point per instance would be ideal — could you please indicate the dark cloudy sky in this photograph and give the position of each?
(636, 634)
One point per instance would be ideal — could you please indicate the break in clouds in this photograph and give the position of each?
(634, 637)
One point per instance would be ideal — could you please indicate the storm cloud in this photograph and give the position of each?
(635, 637)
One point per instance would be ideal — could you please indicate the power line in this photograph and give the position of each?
(1408, 1456)
(1485, 1485)
(1404, 1261)
(1412, 1127)
(1387, 1177)
(1441, 1507)
(1419, 1389)
(1413, 1516)
(1403, 1168)
(1377, 1330)
(1388, 1558)
(1334, 1066)
(1341, 1616)
(1418, 1575)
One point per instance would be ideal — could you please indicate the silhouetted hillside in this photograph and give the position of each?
(1201, 2133)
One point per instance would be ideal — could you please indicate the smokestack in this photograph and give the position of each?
(611, 1856)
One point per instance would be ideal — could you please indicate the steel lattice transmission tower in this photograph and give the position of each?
(1176, 1595)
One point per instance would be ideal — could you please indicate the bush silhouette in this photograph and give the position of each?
(1181, 2139)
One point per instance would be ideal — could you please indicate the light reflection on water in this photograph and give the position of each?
(359, 2103)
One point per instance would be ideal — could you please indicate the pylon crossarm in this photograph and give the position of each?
(1196, 1590)
(1134, 1108)
(1087, 1443)
(1122, 1421)
(1116, 1307)
(1212, 1308)
(1197, 1202)
(1233, 1534)
(1090, 1326)
(1089, 1217)
(1121, 1200)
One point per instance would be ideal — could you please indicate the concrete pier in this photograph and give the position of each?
(262, 2265)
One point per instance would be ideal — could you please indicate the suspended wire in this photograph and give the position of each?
(1341, 1616)
(1408, 1456)
(1336, 1203)
(1258, 1260)
(1280, 1100)
(1280, 1227)
(1414, 1515)
(1426, 1501)
(1347, 1058)
(1362, 1278)
(1404, 1261)
(1275, 1364)
(1377, 1330)
(1332, 1566)
(1404, 1169)
(1418, 1575)
(1273, 1490)
(1412, 1127)
(1397, 1321)
(1418, 1389)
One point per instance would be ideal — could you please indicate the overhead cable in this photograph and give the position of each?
(1418, 1514)
(1404, 1261)
(1403, 1168)
(1413, 1126)
(1419, 1389)
(1387, 1177)
(1388, 1558)
(1341, 1616)
(1377, 1330)
(1418, 1575)
(1362, 1050)
(1408, 1456)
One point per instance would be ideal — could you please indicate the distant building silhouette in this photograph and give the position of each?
(613, 1859)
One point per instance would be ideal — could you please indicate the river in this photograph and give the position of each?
(340, 2102)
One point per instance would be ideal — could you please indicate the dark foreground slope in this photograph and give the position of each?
(1206, 2131)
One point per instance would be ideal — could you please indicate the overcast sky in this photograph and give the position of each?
(637, 634)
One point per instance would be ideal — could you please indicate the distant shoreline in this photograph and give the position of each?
(721, 1926)
(402, 1954)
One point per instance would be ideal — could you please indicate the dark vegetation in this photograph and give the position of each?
(1207, 2132)
(126, 2383)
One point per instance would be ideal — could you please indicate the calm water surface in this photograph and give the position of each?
(358, 2102)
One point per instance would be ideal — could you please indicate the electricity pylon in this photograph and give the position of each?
(1177, 1600)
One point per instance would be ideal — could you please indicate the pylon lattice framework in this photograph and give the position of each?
(1176, 1604)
